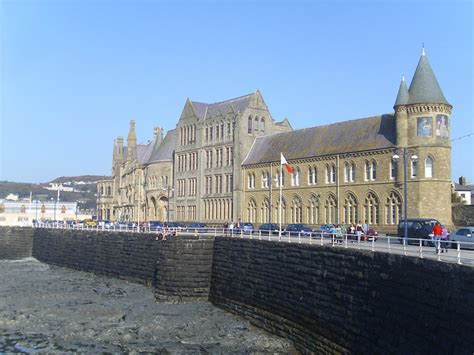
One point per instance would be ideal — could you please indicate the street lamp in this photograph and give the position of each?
(413, 157)
(168, 190)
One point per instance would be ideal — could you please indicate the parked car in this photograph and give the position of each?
(269, 228)
(197, 227)
(246, 227)
(297, 228)
(418, 228)
(371, 234)
(155, 225)
(465, 236)
(325, 228)
(90, 223)
(175, 225)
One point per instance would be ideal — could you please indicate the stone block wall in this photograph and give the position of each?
(15, 243)
(130, 256)
(346, 301)
(184, 267)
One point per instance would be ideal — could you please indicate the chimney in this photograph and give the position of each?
(462, 181)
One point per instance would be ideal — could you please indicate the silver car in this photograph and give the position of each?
(465, 236)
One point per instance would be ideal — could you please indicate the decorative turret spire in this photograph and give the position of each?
(132, 142)
(402, 97)
(424, 87)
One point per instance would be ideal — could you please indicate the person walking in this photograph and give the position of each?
(437, 232)
(444, 239)
(358, 231)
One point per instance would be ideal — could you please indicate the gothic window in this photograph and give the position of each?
(222, 130)
(393, 169)
(393, 208)
(296, 210)
(262, 124)
(350, 209)
(313, 210)
(256, 124)
(312, 175)
(352, 172)
(210, 133)
(330, 173)
(330, 210)
(265, 211)
(374, 170)
(252, 211)
(207, 134)
(429, 167)
(295, 177)
(371, 208)
(347, 172)
(217, 131)
(249, 128)
(265, 178)
(283, 211)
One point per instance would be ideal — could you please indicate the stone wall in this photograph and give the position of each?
(15, 243)
(463, 215)
(346, 301)
(129, 256)
(184, 267)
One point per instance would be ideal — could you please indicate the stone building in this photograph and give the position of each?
(222, 162)
(346, 172)
(194, 173)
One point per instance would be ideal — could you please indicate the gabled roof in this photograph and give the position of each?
(237, 104)
(424, 87)
(343, 137)
(163, 151)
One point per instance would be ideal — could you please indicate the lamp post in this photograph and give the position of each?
(168, 190)
(405, 152)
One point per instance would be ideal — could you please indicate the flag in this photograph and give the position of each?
(285, 163)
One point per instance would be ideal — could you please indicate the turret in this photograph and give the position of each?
(158, 135)
(117, 155)
(132, 142)
(401, 114)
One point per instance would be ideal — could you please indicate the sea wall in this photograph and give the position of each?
(344, 300)
(15, 243)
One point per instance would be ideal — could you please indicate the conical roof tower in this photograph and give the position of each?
(424, 87)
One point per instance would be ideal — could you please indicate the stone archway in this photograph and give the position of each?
(162, 208)
(152, 212)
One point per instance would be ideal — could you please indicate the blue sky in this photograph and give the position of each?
(75, 72)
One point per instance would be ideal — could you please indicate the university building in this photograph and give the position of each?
(222, 163)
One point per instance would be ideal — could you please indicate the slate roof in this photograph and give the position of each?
(144, 152)
(164, 151)
(459, 187)
(403, 96)
(238, 104)
(424, 87)
(343, 137)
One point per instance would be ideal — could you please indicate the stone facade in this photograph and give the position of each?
(222, 164)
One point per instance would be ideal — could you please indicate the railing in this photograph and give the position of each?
(443, 250)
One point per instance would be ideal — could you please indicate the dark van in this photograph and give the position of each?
(418, 228)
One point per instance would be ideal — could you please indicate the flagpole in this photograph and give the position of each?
(279, 209)
(270, 208)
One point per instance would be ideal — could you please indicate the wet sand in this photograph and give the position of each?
(56, 310)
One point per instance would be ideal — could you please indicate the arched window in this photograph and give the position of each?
(330, 173)
(313, 210)
(374, 170)
(429, 167)
(249, 128)
(276, 216)
(265, 211)
(265, 179)
(330, 210)
(296, 210)
(350, 209)
(371, 209)
(252, 211)
(393, 208)
(393, 169)
(347, 172)
(353, 172)
(217, 131)
(262, 124)
(312, 175)
(255, 126)
(295, 177)
(367, 170)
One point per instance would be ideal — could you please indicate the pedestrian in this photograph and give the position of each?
(231, 228)
(437, 232)
(226, 227)
(444, 239)
(358, 231)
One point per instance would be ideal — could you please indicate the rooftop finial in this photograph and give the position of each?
(403, 77)
(423, 50)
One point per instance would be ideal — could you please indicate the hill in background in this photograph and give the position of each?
(85, 190)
